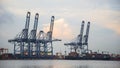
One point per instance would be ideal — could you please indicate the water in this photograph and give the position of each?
(58, 64)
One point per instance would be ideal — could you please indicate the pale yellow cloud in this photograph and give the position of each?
(114, 27)
(108, 19)
(104, 17)
(61, 29)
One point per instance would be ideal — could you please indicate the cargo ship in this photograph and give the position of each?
(59, 56)
(10, 56)
(87, 56)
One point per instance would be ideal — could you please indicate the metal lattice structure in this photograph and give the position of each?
(33, 45)
(81, 44)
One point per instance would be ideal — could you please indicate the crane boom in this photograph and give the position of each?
(52, 23)
(36, 21)
(71, 44)
(24, 34)
(34, 30)
(87, 34)
(51, 28)
(27, 20)
(81, 34)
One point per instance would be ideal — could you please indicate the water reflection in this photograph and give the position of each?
(30, 67)
(37, 66)
(58, 64)
(54, 66)
(82, 67)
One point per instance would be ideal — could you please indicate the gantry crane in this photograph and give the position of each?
(85, 43)
(46, 47)
(50, 33)
(80, 36)
(33, 45)
(21, 39)
(32, 37)
(82, 42)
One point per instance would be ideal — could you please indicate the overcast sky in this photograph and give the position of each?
(104, 16)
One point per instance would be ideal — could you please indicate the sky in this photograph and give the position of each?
(104, 16)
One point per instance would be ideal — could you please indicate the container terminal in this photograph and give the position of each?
(39, 46)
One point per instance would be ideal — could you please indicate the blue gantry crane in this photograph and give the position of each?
(21, 39)
(81, 44)
(33, 45)
(46, 46)
(32, 38)
(85, 43)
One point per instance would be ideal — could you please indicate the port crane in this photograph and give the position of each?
(82, 42)
(46, 40)
(33, 45)
(21, 39)
(85, 43)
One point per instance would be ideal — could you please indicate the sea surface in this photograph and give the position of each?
(58, 64)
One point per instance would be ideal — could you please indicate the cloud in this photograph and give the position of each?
(22, 11)
(103, 16)
(61, 29)
(5, 16)
(108, 19)
(114, 26)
